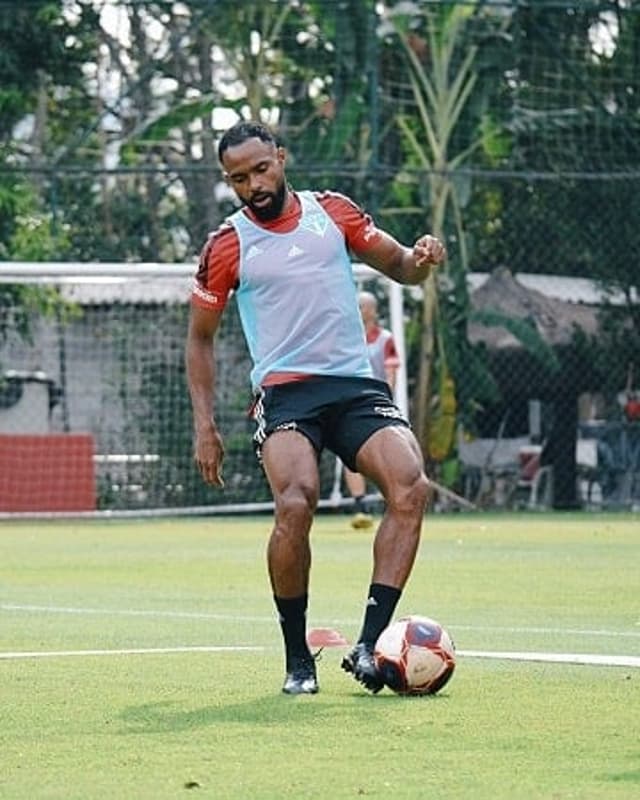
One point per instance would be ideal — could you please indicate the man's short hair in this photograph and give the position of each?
(243, 130)
(368, 297)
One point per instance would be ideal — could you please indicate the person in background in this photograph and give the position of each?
(384, 363)
(286, 256)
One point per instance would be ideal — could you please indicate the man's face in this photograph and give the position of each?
(255, 171)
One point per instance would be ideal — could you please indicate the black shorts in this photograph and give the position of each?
(333, 412)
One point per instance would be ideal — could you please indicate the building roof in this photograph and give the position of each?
(559, 287)
(555, 319)
(132, 291)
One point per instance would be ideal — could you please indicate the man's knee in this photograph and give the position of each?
(412, 495)
(296, 505)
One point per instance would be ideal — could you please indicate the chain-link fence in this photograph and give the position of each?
(509, 128)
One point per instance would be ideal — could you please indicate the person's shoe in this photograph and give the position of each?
(360, 663)
(301, 676)
(361, 521)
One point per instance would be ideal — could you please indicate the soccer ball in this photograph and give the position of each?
(415, 655)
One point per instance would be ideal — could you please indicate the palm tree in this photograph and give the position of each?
(442, 59)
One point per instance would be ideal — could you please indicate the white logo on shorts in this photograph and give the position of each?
(286, 426)
(388, 411)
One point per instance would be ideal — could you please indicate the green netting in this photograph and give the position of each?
(512, 129)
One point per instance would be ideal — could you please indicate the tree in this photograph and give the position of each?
(293, 65)
(39, 48)
(444, 68)
(34, 53)
(583, 140)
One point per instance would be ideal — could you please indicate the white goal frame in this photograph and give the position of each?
(60, 272)
(72, 278)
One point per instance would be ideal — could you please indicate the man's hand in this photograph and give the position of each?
(429, 250)
(209, 455)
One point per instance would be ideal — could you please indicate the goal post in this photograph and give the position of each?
(95, 417)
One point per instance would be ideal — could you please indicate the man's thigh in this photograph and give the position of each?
(290, 463)
(282, 408)
(369, 410)
(391, 458)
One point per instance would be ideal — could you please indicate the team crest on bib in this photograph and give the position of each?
(315, 222)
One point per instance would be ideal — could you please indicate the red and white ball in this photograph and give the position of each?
(415, 655)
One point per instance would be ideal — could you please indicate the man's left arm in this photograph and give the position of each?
(408, 265)
(379, 249)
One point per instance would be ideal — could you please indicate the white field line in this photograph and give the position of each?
(131, 651)
(131, 612)
(37, 609)
(559, 658)
(567, 658)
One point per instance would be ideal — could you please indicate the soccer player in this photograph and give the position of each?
(285, 254)
(384, 364)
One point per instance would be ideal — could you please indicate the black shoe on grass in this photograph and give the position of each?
(360, 663)
(301, 676)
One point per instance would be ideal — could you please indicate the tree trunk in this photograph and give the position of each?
(424, 390)
(561, 450)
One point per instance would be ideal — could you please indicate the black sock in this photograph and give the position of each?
(381, 603)
(361, 504)
(293, 621)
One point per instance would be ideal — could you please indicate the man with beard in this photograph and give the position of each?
(285, 254)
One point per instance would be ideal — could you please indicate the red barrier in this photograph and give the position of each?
(50, 472)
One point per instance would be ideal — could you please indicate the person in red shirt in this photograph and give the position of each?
(286, 256)
(384, 363)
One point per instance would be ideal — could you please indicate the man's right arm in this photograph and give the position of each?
(200, 363)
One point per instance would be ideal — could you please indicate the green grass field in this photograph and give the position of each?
(121, 703)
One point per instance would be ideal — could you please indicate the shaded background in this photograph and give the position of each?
(512, 129)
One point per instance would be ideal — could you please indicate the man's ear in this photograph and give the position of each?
(282, 155)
